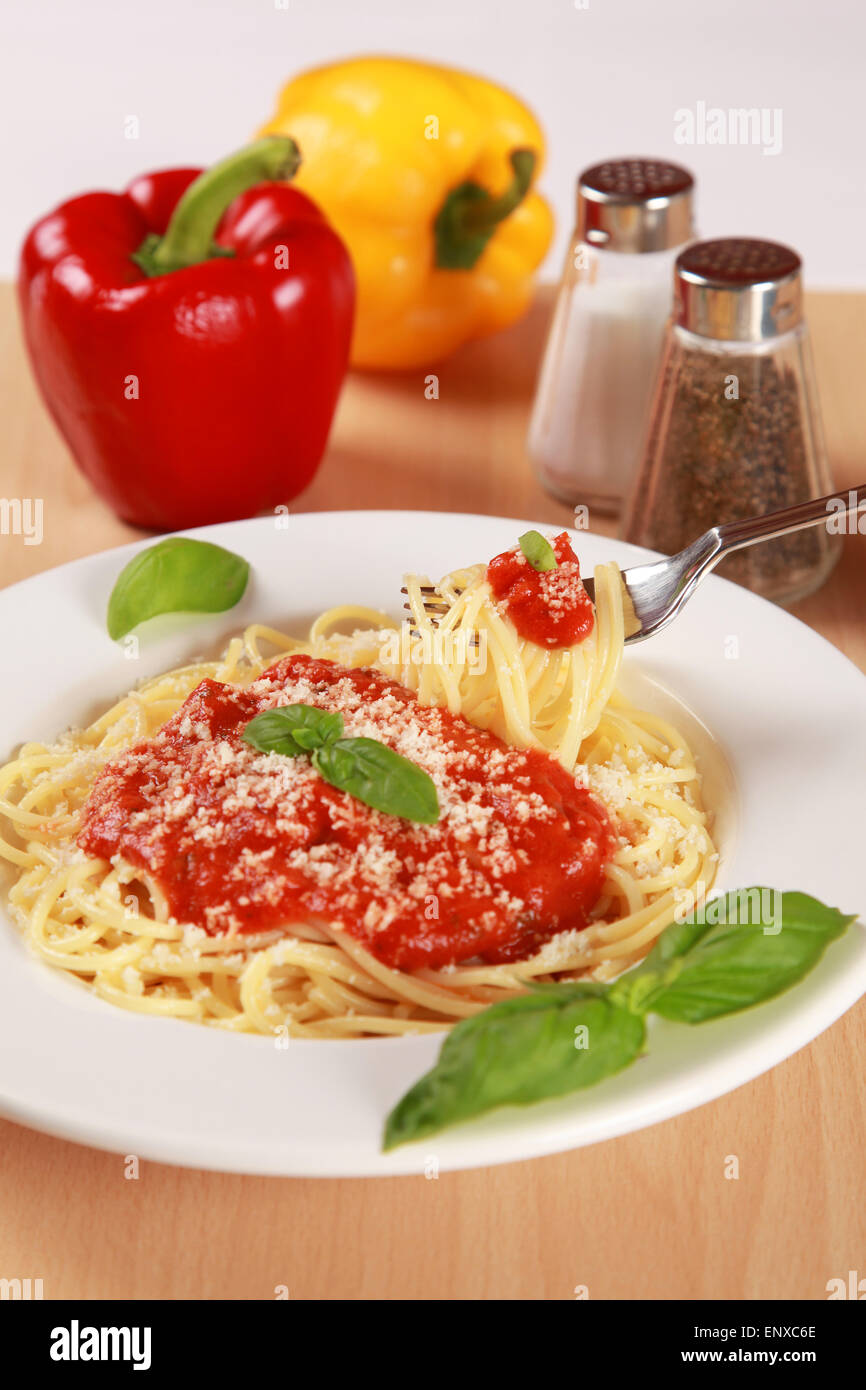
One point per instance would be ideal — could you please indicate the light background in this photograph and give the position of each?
(605, 81)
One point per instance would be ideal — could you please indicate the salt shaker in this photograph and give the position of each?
(735, 428)
(600, 361)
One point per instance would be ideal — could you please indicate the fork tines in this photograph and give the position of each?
(434, 604)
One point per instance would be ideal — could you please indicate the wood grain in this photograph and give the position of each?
(648, 1215)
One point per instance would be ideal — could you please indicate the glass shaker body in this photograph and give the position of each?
(594, 390)
(734, 432)
(633, 216)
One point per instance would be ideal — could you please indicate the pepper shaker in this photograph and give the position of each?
(735, 428)
(600, 361)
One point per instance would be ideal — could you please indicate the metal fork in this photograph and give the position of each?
(655, 593)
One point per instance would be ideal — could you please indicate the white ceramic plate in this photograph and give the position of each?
(778, 717)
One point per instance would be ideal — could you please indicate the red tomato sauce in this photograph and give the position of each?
(550, 607)
(243, 841)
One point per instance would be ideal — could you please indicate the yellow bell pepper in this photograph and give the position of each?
(426, 173)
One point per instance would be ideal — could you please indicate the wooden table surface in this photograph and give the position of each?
(651, 1215)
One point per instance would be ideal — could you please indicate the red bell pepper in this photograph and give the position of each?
(190, 336)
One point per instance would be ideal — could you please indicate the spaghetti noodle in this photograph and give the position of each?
(108, 923)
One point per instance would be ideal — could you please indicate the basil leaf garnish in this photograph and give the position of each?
(293, 729)
(525, 1049)
(538, 551)
(379, 777)
(370, 771)
(737, 954)
(177, 575)
(729, 956)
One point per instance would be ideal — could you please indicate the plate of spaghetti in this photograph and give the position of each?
(258, 863)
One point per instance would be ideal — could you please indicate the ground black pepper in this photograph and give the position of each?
(731, 437)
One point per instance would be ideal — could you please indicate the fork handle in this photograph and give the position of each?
(734, 535)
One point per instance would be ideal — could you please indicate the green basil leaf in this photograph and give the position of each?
(538, 551)
(293, 729)
(379, 777)
(637, 989)
(737, 951)
(177, 575)
(525, 1049)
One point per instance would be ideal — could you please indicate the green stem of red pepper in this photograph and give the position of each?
(470, 215)
(189, 237)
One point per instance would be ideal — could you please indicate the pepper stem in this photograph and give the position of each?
(189, 238)
(470, 214)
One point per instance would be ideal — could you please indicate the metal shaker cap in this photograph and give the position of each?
(635, 205)
(738, 289)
